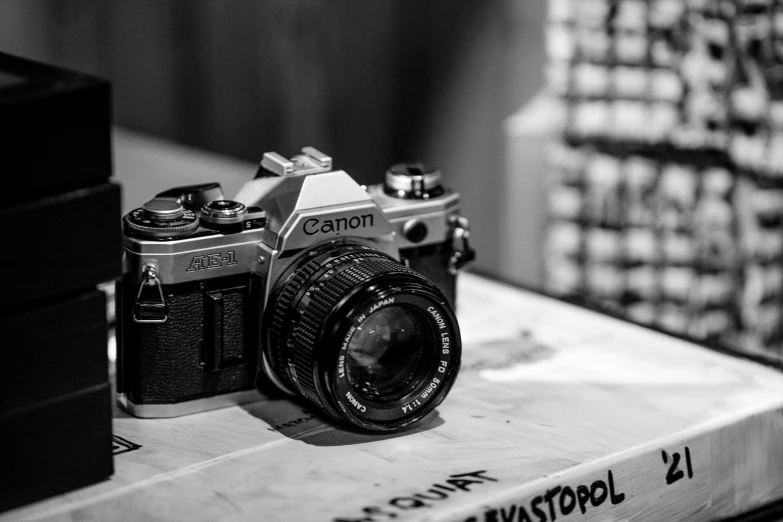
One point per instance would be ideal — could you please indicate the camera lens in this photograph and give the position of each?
(385, 353)
(368, 341)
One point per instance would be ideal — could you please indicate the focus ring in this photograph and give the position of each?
(322, 301)
(284, 312)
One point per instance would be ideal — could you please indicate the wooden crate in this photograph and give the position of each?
(558, 412)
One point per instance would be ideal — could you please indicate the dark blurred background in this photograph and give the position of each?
(370, 83)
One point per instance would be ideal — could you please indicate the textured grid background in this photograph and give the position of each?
(666, 187)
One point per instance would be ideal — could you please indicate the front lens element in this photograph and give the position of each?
(362, 337)
(385, 354)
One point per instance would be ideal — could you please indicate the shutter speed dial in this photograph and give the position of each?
(163, 209)
(161, 218)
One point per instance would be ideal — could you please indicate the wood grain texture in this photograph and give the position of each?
(550, 396)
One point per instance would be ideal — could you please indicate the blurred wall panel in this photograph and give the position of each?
(372, 83)
(485, 61)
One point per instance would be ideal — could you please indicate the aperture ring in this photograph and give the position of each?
(310, 313)
(283, 305)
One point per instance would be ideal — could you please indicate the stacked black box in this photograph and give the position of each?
(61, 238)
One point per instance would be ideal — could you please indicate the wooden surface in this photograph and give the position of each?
(550, 396)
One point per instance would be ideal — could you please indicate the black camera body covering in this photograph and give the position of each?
(337, 293)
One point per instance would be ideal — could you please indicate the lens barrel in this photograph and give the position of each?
(368, 341)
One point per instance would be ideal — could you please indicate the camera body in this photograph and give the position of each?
(217, 295)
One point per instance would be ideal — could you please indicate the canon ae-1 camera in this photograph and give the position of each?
(307, 282)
